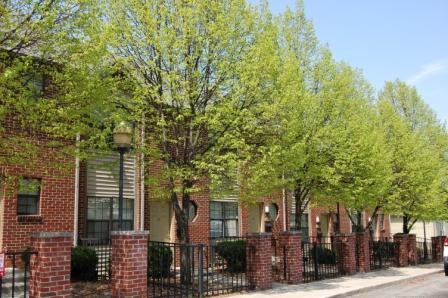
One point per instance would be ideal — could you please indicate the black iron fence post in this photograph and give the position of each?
(316, 265)
(284, 263)
(200, 271)
(13, 274)
(381, 253)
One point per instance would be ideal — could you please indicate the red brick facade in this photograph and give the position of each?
(50, 269)
(56, 172)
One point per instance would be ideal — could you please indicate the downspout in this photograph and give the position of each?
(284, 209)
(284, 204)
(142, 182)
(75, 227)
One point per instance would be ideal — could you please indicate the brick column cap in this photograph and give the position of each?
(51, 235)
(343, 235)
(260, 235)
(438, 237)
(401, 235)
(129, 233)
(291, 233)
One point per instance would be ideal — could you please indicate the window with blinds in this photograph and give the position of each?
(102, 195)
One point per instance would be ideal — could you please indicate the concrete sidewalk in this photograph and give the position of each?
(348, 285)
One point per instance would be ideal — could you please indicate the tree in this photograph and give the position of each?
(47, 50)
(326, 144)
(418, 145)
(201, 75)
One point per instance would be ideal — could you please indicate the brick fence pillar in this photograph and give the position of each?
(401, 250)
(412, 249)
(292, 243)
(347, 253)
(130, 263)
(259, 260)
(363, 251)
(437, 248)
(50, 269)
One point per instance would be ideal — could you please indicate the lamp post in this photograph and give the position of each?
(122, 138)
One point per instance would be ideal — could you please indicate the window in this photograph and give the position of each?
(223, 219)
(357, 221)
(192, 211)
(304, 225)
(272, 211)
(28, 196)
(102, 216)
(35, 85)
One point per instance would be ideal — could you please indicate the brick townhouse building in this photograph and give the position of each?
(53, 191)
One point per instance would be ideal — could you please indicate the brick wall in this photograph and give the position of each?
(347, 253)
(129, 264)
(363, 251)
(293, 256)
(259, 263)
(412, 249)
(50, 269)
(437, 248)
(56, 203)
(401, 250)
(82, 196)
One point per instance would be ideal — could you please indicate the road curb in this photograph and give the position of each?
(375, 287)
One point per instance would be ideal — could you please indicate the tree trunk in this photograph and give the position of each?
(359, 225)
(405, 224)
(298, 209)
(186, 250)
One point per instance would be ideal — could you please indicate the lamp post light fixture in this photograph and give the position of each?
(318, 230)
(122, 139)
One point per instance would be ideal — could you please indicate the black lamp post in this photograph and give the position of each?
(122, 139)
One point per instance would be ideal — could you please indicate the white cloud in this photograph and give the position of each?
(428, 70)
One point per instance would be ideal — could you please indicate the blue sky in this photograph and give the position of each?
(387, 39)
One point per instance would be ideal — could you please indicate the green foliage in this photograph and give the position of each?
(418, 143)
(224, 95)
(323, 255)
(234, 253)
(160, 259)
(83, 264)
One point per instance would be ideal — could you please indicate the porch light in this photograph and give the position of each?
(317, 219)
(122, 136)
(266, 209)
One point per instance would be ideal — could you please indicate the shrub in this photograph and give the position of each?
(234, 253)
(160, 259)
(324, 255)
(84, 262)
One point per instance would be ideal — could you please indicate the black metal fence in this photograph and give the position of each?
(197, 270)
(15, 282)
(382, 253)
(424, 251)
(103, 249)
(321, 258)
(279, 266)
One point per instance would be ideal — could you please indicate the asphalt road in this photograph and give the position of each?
(434, 285)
